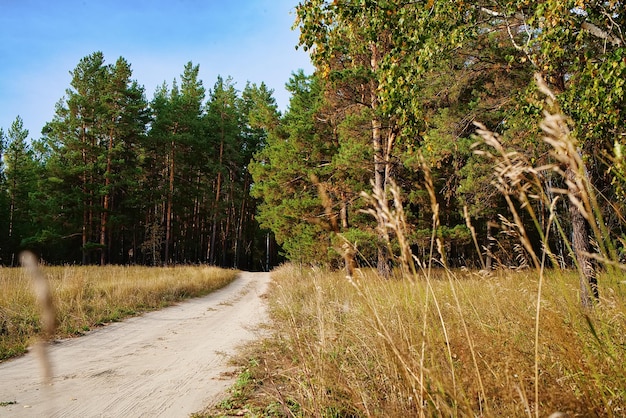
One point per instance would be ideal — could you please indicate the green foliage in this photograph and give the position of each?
(398, 86)
(92, 160)
(116, 179)
(20, 175)
(312, 148)
(366, 242)
(281, 173)
(430, 70)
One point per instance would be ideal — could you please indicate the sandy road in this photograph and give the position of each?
(168, 363)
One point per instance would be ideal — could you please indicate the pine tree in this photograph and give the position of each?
(125, 112)
(173, 157)
(297, 147)
(20, 173)
(260, 116)
(4, 207)
(94, 141)
(348, 43)
(224, 141)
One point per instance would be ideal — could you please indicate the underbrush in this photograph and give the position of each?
(457, 344)
(85, 297)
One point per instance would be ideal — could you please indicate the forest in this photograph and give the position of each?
(485, 133)
(422, 99)
(116, 179)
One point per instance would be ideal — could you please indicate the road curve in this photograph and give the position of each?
(168, 363)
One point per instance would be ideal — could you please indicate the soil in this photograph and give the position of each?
(168, 363)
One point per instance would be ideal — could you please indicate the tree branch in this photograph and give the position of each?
(597, 32)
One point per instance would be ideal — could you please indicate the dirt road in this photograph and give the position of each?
(168, 363)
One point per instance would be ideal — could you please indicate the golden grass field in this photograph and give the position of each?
(86, 297)
(455, 344)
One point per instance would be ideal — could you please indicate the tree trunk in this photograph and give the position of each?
(105, 204)
(218, 191)
(168, 210)
(491, 225)
(380, 169)
(580, 245)
(12, 214)
(240, 222)
(343, 212)
(196, 231)
(84, 237)
(229, 216)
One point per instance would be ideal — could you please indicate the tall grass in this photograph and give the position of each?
(337, 352)
(85, 297)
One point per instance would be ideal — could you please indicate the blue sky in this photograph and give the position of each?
(41, 41)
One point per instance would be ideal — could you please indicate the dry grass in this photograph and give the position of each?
(85, 297)
(341, 351)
